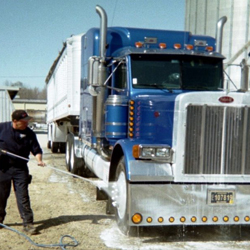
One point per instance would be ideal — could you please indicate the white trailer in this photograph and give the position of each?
(6, 105)
(63, 94)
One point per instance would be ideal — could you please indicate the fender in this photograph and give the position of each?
(139, 170)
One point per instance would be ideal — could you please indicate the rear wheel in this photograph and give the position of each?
(74, 165)
(62, 147)
(54, 147)
(74, 161)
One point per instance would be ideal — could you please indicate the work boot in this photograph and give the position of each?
(30, 229)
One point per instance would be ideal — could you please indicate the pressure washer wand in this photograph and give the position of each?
(11, 154)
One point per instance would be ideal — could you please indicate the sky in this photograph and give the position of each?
(32, 31)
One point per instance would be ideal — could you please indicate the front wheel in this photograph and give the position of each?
(67, 152)
(121, 200)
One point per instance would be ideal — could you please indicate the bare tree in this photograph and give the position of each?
(28, 93)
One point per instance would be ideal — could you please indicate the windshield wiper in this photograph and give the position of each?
(159, 86)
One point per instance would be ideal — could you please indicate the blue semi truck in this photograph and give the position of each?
(155, 124)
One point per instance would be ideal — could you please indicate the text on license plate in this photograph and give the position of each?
(221, 197)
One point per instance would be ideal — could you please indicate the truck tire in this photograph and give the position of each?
(62, 147)
(67, 153)
(121, 207)
(74, 163)
(77, 165)
(54, 147)
(49, 144)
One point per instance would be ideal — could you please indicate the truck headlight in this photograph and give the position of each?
(147, 152)
(153, 152)
(162, 152)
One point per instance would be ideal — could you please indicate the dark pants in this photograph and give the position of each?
(20, 179)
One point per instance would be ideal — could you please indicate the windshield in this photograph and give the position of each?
(176, 72)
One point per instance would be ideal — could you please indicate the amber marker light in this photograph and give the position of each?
(182, 219)
(204, 219)
(171, 219)
(149, 220)
(177, 46)
(160, 219)
(137, 218)
(193, 219)
(225, 218)
(162, 45)
(236, 218)
(209, 48)
(189, 46)
(215, 219)
(131, 118)
(247, 218)
(138, 44)
(135, 151)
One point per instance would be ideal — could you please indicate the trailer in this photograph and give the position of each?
(63, 94)
(158, 127)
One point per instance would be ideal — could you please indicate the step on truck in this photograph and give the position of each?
(147, 111)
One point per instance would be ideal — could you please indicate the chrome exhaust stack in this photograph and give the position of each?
(219, 33)
(102, 90)
(244, 76)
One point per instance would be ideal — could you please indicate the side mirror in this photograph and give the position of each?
(93, 76)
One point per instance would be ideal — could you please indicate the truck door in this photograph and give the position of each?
(119, 78)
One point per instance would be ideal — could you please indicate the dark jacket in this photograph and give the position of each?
(20, 142)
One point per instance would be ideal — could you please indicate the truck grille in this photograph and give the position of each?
(217, 140)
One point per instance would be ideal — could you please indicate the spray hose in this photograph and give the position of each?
(61, 244)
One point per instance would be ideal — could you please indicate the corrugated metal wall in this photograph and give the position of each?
(6, 106)
(201, 18)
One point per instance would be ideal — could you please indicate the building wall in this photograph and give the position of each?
(201, 17)
(6, 106)
(35, 108)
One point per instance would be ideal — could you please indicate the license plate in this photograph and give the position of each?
(220, 197)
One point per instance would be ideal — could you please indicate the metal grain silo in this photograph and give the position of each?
(201, 18)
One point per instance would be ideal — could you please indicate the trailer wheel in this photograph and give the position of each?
(49, 144)
(121, 200)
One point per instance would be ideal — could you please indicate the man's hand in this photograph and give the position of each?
(39, 160)
(41, 164)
